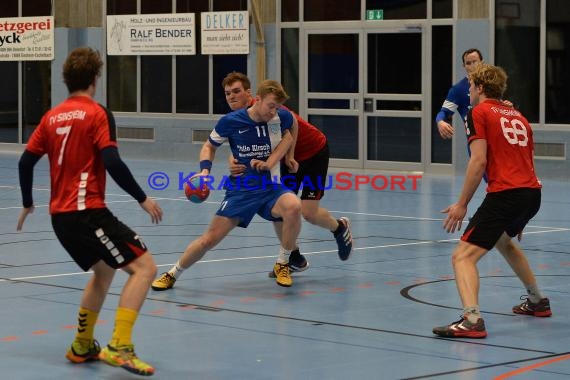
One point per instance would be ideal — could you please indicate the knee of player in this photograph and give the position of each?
(147, 266)
(309, 215)
(292, 207)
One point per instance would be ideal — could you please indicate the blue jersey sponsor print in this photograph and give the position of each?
(249, 140)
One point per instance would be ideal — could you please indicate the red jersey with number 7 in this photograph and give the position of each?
(510, 146)
(73, 134)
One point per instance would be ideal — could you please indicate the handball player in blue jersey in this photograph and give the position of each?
(259, 137)
(457, 99)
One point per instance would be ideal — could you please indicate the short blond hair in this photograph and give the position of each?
(269, 86)
(493, 79)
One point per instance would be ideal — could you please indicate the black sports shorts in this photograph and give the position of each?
(312, 174)
(96, 234)
(504, 211)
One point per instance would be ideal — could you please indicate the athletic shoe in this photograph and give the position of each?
(282, 275)
(125, 357)
(462, 329)
(81, 352)
(540, 309)
(164, 282)
(297, 262)
(344, 239)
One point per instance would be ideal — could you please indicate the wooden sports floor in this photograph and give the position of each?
(370, 317)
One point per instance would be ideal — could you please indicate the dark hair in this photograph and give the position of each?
(81, 68)
(235, 76)
(469, 51)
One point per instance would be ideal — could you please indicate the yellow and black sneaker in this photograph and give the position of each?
(83, 351)
(125, 357)
(282, 274)
(164, 282)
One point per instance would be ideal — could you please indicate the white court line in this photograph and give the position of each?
(273, 256)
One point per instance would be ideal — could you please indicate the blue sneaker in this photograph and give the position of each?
(344, 239)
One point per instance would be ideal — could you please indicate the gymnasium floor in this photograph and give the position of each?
(368, 318)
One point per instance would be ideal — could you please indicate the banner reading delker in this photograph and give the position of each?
(27, 38)
(225, 32)
(151, 34)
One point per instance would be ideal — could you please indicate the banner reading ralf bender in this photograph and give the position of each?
(225, 32)
(27, 39)
(151, 34)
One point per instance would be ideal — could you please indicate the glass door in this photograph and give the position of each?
(364, 89)
(333, 82)
(393, 99)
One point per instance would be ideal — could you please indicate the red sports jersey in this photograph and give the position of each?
(310, 139)
(510, 146)
(73, 135)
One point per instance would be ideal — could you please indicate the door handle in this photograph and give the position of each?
(368, 105)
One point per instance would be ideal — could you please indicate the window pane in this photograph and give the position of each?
(333, 104)
(156, 83)
(9, 102)
(557, 62)
(341, 132)
(230, 5)
(192, 6)
(333, 56)
(153, 6)
(331, 10)
(394, 139)
(517, 25)
(37, 94)
(400, 10)
(442, 79)
(9, 8)
(383, 75)
(121, 7)
(192, 86)
(289, 10)
(442, 9)
(224, 64)
(290, 65)
(122, 83)
(36, 8)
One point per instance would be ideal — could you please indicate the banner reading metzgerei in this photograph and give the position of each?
(27, 38)
(151, 34)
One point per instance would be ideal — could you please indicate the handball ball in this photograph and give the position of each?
(194, 192)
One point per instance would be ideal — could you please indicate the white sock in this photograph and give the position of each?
(473, 313)
(283, 256)
(176, 270)
(534, 293)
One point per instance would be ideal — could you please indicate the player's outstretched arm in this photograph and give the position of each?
(26, 173)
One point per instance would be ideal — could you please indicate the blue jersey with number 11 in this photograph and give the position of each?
(249, 139)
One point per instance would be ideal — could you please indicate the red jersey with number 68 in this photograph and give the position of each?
(510, 146)
(73, 134)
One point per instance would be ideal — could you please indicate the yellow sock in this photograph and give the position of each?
(124, 322)
(86, 320)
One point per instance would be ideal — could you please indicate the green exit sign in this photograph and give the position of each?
(375, 14)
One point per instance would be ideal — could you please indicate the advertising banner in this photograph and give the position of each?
(151, 34)
(225, 32)
(27, 38)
